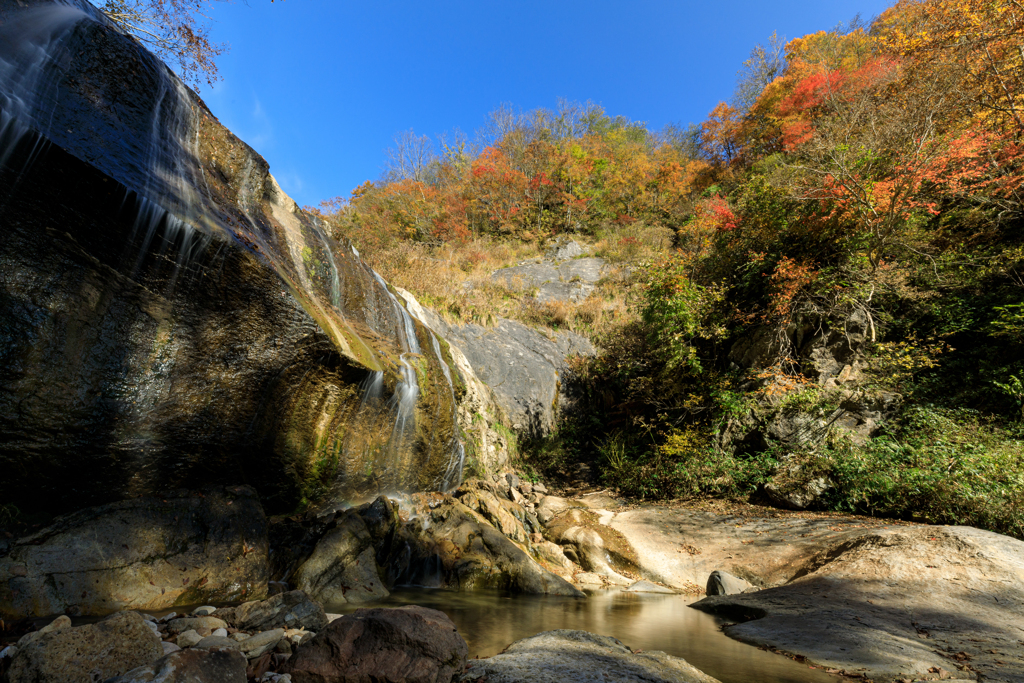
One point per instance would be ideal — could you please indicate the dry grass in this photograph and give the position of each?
(455, 280)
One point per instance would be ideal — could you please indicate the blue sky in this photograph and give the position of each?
(320, 88)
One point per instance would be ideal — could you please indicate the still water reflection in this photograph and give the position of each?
(491, 621)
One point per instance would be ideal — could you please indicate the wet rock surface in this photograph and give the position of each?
(582, 657)
(170, 316)
(143, 553)
(93, 652)
(413, 644)
(525, 370)
(897, 603)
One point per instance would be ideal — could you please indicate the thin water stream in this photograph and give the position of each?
(490, 621)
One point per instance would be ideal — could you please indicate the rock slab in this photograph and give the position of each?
(142, 553)
(897, 603)
(581, 657)
(412, 644)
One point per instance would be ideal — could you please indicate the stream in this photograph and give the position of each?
(490, 621)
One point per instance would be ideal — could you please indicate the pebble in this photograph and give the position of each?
(540, 488)
(221, 632)
(170, 647)
(167, 617)
(238, 635)
(8, 651)
(188, 638)
(204, 611)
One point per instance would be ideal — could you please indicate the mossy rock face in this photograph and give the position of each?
(168, 316)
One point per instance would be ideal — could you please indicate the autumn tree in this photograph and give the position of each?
(177, 31)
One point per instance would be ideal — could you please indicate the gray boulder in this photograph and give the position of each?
(343, 567)
(411, 644)
(581, 657)
(190, 666)
(142, 553)
(569, 282)
(291, 610)
(87, 653)
(724, 583)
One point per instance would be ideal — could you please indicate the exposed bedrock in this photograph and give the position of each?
(144, 553)
(168, 316)
(897, 604)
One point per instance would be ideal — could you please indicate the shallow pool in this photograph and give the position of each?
(490, 621)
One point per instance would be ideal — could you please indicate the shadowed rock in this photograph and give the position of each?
(190, 666)
(170, 318)
(144, 553)
(412, 644)
(293, 610)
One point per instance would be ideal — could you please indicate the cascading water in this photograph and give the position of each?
(188, 183)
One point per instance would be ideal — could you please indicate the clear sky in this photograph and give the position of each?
(320, 88)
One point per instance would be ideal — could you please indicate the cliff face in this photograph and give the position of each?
(168, 316)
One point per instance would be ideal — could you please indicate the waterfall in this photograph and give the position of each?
(188, 182)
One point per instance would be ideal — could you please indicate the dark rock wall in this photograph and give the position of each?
(168, 317)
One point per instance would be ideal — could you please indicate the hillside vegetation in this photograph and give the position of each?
(867, 173)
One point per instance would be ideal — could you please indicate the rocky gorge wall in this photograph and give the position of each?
(168, 316)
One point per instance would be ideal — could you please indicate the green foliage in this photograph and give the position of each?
(682, 464)
(936, 465)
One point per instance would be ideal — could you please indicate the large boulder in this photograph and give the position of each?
(412, 644)
(190, 666)
(898, 603)
(343, 566)
(291, 610)
(171, 318)
(143, 553)
(89, 653)
(580, 657)
(452, 546)
(599, 548)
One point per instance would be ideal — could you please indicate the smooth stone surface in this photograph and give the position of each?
(188, 638)
(293, 609)
(223, 633)
(410, 644)
(141, 553)
(170, 647)
(190, 666)
(204, 611)
(91, 652)
(680, 548)
(895, 603)
(521, 367)
(724, 583)
(260, 643)
(217, 642)
(581, 657)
